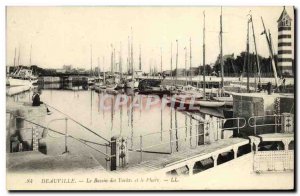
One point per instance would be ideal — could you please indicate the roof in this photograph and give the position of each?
(284, 14)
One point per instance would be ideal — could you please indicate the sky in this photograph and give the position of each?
(65, 35)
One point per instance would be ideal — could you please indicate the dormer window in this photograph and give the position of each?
(284, 19)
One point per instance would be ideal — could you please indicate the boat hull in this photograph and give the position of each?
(132, 84)
(211, 104)
(228, 100)
(19, 82)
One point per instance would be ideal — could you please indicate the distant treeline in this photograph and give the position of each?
(235, 66)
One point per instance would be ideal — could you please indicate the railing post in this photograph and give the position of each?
(197, 134)
(171, 141)
(287, 123)
(106, 152)
(218, 121)
(275, 123)
(66, 136)
(113, 154)
(141, 147)
(254, 125)
(238, 125)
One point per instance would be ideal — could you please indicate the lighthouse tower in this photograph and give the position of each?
(285, 44)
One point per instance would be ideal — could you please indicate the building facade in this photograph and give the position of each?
(285, 44)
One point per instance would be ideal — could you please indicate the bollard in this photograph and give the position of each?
(119, 152)
(171, 148)
(113, 153)
(141, 147)
(66, 136)
(287, 123)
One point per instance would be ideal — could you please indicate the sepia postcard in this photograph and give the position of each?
(150, 98)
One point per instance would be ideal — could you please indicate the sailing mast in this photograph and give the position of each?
(221, 52)
(191, 61)
(120, 61)
(204, 83)
(114, 62)
(270, 51)
(185, 73)
(160, 62)
(140, 59)
(98, 67)
(256, 54)
(132, 54)
(248, 57)
(91, 61)
(103, 72)
(171, 61)
(176, 61)
(19, 56)
(15, 57)
(112, 59)
(128, 57)
(30, 55)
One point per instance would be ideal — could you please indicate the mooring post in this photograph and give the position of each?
(113, 153)
(119, 152)
(254, 125)
(238, 125)
(276, 123)
(141, 147)
(106, 158)
(287, 123)
(66, 135)
(171, 150)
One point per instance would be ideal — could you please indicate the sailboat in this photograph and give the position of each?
(131, 81)
(207, 102)
(22, 76)
(120, 81)
(91, 78)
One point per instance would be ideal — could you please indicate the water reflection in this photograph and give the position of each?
(85, 107)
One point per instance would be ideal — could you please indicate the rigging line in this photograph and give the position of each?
(55, 131)
(77, 122)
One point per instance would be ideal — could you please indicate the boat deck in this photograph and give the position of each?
(179, 157)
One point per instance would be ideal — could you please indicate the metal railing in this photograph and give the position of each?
(238, 127)
(66, 135)
(241, 123)
(255, 119)
(66, 130)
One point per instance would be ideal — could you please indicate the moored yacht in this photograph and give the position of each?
(22, 77)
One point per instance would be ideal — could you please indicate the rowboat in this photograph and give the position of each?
(197, 102)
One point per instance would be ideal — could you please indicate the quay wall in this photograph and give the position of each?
(20, 133)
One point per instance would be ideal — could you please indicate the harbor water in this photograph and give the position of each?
(148, 128)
